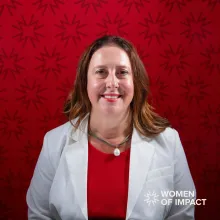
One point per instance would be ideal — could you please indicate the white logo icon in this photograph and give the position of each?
(151, 198)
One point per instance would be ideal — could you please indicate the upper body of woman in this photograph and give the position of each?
(115, 156)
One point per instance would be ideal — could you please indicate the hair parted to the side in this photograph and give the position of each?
(145, 120)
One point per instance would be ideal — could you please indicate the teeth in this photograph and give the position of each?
(111, 97)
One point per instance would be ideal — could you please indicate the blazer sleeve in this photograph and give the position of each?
(38, 192)
(182, 182)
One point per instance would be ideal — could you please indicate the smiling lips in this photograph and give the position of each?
(111, 97)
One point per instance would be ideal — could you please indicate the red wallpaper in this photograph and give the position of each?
(40, 43)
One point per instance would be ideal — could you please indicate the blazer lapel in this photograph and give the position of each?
(140, 160)
(77, 161)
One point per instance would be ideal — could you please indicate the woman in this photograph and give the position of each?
(115, 153)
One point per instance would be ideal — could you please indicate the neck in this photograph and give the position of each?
(113, 129)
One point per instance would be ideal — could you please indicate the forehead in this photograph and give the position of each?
(110, 56)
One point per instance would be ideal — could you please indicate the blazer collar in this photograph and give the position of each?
(141, 155)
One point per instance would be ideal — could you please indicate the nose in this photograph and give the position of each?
(112, 81)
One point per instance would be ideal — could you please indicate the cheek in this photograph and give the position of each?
(93, 89)
(128, 87)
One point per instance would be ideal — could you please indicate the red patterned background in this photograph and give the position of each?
(40, 44)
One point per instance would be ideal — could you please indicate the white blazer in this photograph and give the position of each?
(58, 189)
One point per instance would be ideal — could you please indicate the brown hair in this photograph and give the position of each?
(145, 120)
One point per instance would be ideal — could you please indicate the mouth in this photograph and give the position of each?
(111, 96)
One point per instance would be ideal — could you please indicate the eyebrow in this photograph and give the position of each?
(104, 66)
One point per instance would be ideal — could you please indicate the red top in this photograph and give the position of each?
(107, 184)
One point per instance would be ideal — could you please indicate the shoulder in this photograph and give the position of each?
(59, 131)
(55, 141)
(169, 135)
(166, 141)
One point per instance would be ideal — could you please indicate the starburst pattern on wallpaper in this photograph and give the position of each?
(91, 4)
(211, 62)
(12, 124)
(158, 91)
(45, 5)
(217, 151)
(10, 5)
(7, 210)
(1, 32)
(142, 52)
(49, 120)
(154, 28)
(175, 60)
(14, 182)
(51, 63)
(136, 4)
(31, 94)
(196, 148)
(211, 120)
(3, 95)
(31, 152)
(196, 28)
(195, 90)
(70, 29)
(210, 178)
(171, 4)
(28, 31)
(10, 64)
(112, 25)
(64, 89)
(2, 154)
(212, 3)
(177, 117)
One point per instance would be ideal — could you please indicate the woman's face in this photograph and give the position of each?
(110, 80)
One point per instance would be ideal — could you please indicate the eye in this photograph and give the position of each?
(101, 71)
(123, 72)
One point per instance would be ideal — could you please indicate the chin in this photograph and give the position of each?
(113, 111)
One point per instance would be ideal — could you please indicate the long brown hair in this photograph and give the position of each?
(145, 120)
